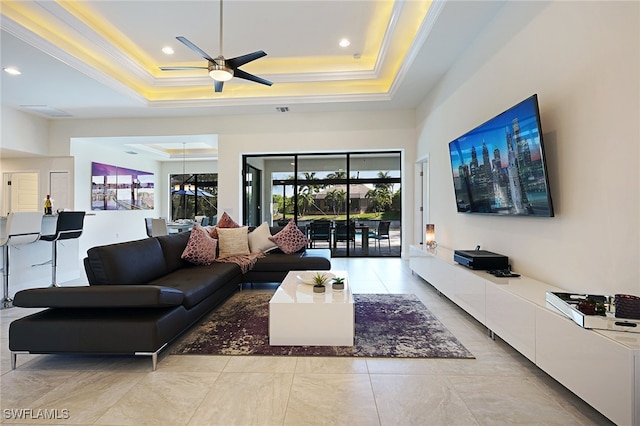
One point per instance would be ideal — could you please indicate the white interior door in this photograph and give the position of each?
(22, 189)
(59, 184)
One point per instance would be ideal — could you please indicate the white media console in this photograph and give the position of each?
(601, 367)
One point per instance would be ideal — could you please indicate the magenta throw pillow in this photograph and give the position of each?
(201, 248)
(290, 239)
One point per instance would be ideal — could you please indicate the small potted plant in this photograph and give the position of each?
(319, 281)
(338, 283)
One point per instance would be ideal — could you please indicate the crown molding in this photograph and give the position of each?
(61, 55)
(131, 67)
(280, 100)
(426, 27)
(398, 5)
(123, 73)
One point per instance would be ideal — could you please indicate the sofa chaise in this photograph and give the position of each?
(142, 295)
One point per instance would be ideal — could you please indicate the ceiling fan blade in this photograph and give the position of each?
(245, 75)
(195, 48)
(218, 86)
(182, 68)
(241, 60)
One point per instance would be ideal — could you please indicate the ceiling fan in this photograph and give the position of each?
(221, 69)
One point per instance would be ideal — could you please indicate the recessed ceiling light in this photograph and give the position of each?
(167, 50)
(12, 71)
(344, 42)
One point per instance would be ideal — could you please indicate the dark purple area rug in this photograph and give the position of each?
(386, 325)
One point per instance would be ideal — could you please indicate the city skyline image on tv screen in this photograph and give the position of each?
(499, 167)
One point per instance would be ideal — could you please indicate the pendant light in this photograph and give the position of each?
(184, 186)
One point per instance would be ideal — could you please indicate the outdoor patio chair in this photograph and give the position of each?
(382, 233)
(319, 230)
(346, 233)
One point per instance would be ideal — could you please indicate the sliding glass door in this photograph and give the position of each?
(253, 183)
(356, 195)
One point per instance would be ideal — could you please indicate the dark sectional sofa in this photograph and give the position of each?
(141, 296)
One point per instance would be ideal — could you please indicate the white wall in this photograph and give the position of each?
(106, 227)
(258, 134)
(41, 165)
(582, 59)
(335, 132)
(24, 132)
(238, 135)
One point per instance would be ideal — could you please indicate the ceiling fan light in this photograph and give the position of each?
(220, 72)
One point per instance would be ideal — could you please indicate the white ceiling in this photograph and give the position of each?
(94, 59)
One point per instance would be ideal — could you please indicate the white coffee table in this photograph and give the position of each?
(297, 316)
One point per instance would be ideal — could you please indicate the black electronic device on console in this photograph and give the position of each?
(481, 259)
(503, 273)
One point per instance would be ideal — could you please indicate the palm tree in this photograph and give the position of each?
(387, 186)
(278, 204)
(308, 187)
(396, 201)
(305, 199)
(338, 174)
(307, 192)
(338, 197)
(379, 199)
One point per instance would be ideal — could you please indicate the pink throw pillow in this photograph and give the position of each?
(201, 248)
(290, 239)
(224, 222)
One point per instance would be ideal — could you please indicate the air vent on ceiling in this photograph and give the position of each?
(45, 110)
(131, 152)
(282, 109)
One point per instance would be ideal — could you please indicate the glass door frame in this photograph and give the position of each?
(296, 182)
(253, 182)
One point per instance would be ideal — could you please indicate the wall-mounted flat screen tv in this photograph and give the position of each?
(499, 167)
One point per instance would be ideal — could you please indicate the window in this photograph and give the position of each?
(362, 187)
(194, 195)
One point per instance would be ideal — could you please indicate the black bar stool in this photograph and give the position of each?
(68, 226)
(21, 228)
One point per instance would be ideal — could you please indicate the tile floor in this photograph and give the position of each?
(499, 387)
